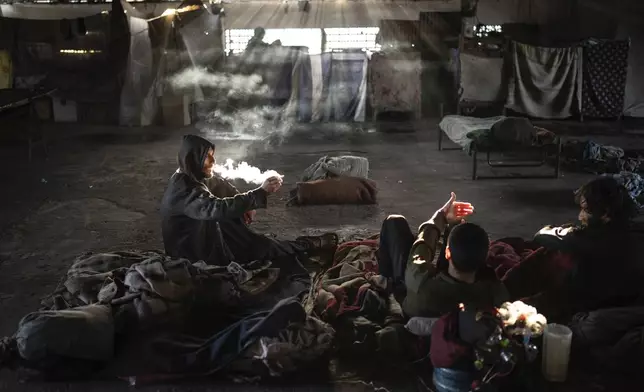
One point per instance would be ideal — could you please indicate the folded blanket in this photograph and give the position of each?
(339, 190)
(343, 166)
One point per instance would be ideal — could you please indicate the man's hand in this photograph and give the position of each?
(456, 211)
(249, 216)
(272, 184)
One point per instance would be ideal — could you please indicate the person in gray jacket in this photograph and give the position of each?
(205, 218)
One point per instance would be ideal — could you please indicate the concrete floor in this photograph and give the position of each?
(100, 189)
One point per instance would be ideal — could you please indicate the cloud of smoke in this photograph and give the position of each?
(244, 171)
(259, 123)
(233, 86)
(236, 106)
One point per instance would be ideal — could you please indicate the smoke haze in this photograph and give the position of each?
(235, 107)
(234, 86)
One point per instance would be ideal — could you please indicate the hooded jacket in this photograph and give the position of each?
(189, 210)
(608, 268)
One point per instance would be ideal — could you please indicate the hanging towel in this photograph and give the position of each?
(395, 81)
(545, 82)
(604, 78)
(482, 78)
(347, 74)
(317, 85)
(305, 87)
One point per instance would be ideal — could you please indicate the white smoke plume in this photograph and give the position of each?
(247, 124)
(234, 86)
(244, 171)
(236, 106)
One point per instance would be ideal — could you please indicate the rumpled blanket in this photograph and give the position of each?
(545, 82)
(527, 269)
(634, 184)
(280, 341)
(170, 295)
(296, 345)
(342, 166)
(356, 301)
(600, 158)
(153, 286)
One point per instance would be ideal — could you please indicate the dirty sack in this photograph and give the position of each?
(338, 190)
(82, 333)
(342, 166)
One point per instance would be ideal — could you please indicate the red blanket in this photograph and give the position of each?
(526, 269)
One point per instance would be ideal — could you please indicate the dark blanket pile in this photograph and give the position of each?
(512, 133)
(189, 318)
(356, 301)
(526, 268)
(599, 158)
(611, 339)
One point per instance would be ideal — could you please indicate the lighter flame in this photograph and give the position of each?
(244, 171)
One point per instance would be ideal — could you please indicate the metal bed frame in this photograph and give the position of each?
(27, 99)
(500, 164)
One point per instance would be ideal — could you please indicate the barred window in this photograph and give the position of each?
(352, 38)
(237, 39)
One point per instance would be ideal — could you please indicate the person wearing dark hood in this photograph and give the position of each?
(606, 267)
(205, 218)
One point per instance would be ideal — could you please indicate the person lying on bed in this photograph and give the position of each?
(459, 276)
(203, 217)
(607, 268)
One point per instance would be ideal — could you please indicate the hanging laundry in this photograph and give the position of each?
(545, 82)
(394, 80)
(604, 78)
